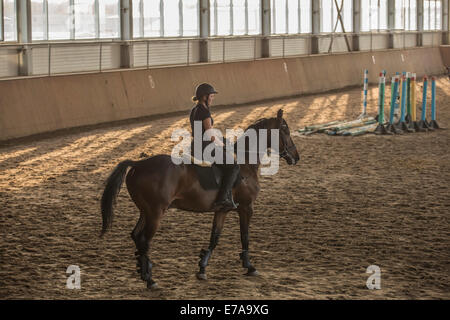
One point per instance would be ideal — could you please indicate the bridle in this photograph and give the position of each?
(283, 154)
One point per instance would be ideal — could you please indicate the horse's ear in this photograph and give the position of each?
(280, 116)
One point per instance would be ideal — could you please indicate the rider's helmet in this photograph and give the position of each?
(203, 89)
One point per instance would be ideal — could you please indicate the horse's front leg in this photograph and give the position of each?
(245, 214)
(219, 218)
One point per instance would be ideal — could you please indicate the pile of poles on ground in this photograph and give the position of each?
(403, 97)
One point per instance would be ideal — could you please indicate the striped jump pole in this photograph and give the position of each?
(380, 129)
(366, 85)
(408, 117)
(433, 123)
(402, 125)
(423, 124)
(397, 97)
(394, 92)
(414, 124)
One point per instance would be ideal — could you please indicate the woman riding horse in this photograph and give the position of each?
(156, 184)
(204, 95)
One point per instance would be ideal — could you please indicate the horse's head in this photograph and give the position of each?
(288, 150)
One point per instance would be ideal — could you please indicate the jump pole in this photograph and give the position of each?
(397, 97)
(366, 84)
(408, 117)
(402, 123)
(423, 124)
(380, 129)
(433, 123)
(414, 124)
(394, 92)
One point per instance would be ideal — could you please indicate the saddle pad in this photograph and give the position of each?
(210, 178)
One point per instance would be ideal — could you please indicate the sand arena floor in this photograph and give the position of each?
(351, 202)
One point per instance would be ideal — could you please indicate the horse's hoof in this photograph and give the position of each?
(201, 276)
(252, 273)
(152, 285)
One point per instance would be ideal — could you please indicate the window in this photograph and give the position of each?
(109, 18)
(235, 17)
(190, 18)
(59, 20)
(374, 15)
(329, 16)
(406, 14)
(165, 18)
(432, 15)
(84, 14)
(86, 19)
(8, 31)
(291, 16)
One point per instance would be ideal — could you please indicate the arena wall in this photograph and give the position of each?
(34, 105)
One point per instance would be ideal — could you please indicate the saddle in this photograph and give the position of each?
(210, 175)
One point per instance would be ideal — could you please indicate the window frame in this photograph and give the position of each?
(299, 10)
(333, 14)
(436, 14)
(213, 27)
(72, 37)
(2, 26)
(161, 19)
(379, 12)
(2, 22)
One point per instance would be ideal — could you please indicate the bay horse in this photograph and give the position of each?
(156, 183)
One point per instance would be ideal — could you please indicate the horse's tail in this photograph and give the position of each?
(113, 185)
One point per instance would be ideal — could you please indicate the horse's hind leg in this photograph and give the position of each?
(142, 235)
(219, 218)
(245, 214)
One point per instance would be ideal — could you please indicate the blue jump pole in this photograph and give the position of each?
(403, 108)
(402, 125)
(423, 124)
(424, 98)
(433, 98)
(390, 126)
(433, 124)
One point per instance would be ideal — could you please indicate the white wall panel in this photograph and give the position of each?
(432, 39)
(110, 56)
(296, 46)
(40, 60)
(374, 42)
(340, 45)
(9, 62)
(406, 40)
(276, 47)
(324, 44)
(239, 49)
(75, 59)
(166, 53)
(140, 54)
(215, 50)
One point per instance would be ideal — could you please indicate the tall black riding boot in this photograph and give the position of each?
(224, 201)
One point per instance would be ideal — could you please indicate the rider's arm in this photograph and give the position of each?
(207, 125)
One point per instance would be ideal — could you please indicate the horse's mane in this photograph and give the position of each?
(258, 124)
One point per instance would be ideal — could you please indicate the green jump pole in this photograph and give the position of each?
(380, 129)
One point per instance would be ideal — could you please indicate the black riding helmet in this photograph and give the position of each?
(203, 89)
